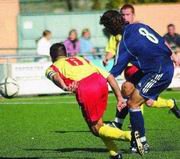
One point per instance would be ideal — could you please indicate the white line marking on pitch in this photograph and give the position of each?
(47, 103)
(70, 96)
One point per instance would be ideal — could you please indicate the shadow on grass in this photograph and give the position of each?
(19, 158)
(62, 150)
(75, 131)
(92, 150)
(155, 129)
(66, 157)
(168, 148)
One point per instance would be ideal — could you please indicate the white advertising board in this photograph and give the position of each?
(31, 78)
(32, 81)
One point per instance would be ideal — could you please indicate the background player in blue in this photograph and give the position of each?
(145, 49)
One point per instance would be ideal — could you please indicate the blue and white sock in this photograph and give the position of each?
(137, 121)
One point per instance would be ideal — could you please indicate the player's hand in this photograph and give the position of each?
(121, 104)
(176, 59)
(73, 86)
(105, 62)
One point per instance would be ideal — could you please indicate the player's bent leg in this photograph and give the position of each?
(119, 118)
(126, 89)
(136, 117)
(160, 103)
(114, 133)
(106, 138)
(100, 129)
(107, 134)
(149, 87)
(95, 126)
(164, 103)
(113, 150)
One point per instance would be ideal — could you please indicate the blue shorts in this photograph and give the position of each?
(152, 84)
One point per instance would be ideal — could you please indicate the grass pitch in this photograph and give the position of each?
(52, 127)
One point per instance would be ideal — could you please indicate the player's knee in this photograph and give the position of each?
(149, 102)
(94, 132)
(95, 128)
(133, 104)
(127, 89)
(130, 104)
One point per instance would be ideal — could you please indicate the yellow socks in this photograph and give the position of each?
(114, 133)
(142, 108)
(163, 103)
(108, 134)
(111, 146)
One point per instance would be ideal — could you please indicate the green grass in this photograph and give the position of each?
(53, 127)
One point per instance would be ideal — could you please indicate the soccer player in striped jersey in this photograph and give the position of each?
(128, 14)
(90, 86)
(147, 50)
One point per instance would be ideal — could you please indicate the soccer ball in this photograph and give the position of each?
(9, 87)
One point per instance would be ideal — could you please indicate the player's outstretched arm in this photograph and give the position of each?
(59, 82)
(107, 57)
(114, 85)
(56, 79)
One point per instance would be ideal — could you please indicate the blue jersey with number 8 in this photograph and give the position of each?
(144, 48)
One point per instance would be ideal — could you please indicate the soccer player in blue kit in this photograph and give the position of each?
(147, 50)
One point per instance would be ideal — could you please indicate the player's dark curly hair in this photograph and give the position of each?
(113, 21)
(57, 50)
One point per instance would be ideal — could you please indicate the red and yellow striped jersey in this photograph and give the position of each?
(74, 69)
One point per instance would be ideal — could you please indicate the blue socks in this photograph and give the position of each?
(120, 116)
(137, 121)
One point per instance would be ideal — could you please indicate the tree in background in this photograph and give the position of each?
(69, 5)
(97, 5)
(60, 6)
(114, 4)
